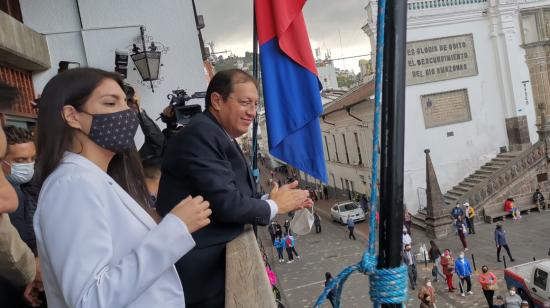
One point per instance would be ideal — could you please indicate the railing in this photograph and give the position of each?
(434, 4)
(246, 281)
(479, 195)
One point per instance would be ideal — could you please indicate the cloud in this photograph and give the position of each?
(334, 25)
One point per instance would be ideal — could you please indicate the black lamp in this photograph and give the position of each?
(147, 62)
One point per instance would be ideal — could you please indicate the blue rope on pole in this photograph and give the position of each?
(387, 286)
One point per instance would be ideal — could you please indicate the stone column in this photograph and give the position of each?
(537, 57)
(438, 219)
(518, 133)
(505, 35)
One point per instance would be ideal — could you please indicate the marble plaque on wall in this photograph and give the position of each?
(445, 108)
(441, 59)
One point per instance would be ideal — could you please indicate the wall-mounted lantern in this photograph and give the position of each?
(147, 62)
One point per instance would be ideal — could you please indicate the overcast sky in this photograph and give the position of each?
(334, 25)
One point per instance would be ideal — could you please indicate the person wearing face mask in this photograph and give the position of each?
(100, 243)
(18, 166)
(512, 300)
(488, 282)
(500, 241)
(427, 291)
(448, 265)
(410, 260)
(18, 266)
(464, 271)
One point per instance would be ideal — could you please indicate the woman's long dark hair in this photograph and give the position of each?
(55, 137)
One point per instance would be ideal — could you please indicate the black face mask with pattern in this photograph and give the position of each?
(114, 131)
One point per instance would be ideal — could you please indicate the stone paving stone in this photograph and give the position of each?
(302, 281)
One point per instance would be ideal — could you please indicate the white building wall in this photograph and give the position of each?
(171, 23)
(327, 76)
(495, 94)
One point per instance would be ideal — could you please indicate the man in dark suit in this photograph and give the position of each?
(204, 159)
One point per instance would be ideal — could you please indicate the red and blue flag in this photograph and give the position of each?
(291, 87)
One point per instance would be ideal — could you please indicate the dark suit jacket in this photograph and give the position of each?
(203, 160)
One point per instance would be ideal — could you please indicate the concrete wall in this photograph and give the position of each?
(169, 22)
(22, 47)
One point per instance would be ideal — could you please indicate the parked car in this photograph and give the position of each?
(531, 280)
(343, 210)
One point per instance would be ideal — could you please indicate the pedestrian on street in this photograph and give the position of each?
(457, 211)
(330, 296)
(407, 240)
(428, 290)
(464, 271)
(351, 227)
(524, 304)
(317, 222)
(407, 220)
(278, 230)
(488, 282)
(426, 302)
(272, 231)
(325, 192)
(435, 256)
(293, 246)
(500, 241)
(538, 199)
(470, 216)
(279, 245)
(448, 265)
(287, 241)
(410, 260)
(462, 231)
(287, 226)
(513, 300)
(364, 202)
(499, 302)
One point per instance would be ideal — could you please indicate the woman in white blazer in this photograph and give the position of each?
(99, 243)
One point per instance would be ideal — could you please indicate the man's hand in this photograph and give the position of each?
(31, 295)
(288, 198)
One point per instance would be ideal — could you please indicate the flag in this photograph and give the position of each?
(291, 87)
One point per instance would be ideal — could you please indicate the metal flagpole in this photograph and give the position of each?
(393, 130)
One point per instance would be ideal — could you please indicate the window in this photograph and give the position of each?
(541, 278)
(358, 148)
(326, 145)
(345, 148)
(529, 28)
(335, 147)
(343, 187)
(348, 207)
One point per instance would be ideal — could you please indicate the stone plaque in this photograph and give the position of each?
(445, 108)
(441, 59)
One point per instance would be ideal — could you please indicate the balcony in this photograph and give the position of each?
(417, 5)
(246, 281)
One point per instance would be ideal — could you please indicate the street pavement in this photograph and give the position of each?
(302, 281)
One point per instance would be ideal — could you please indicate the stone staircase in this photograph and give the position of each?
(490, 181)
(459, 193)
